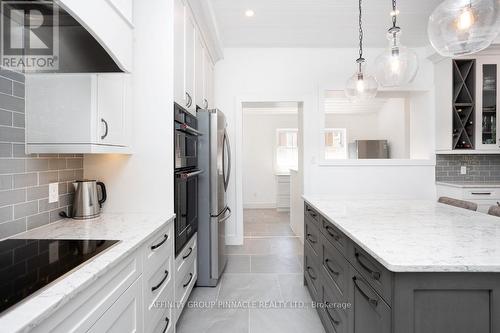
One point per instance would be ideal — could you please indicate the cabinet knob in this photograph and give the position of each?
(105, 128)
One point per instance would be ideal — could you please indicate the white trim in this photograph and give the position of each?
(468, 152)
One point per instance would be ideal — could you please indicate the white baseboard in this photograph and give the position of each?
(259, 205)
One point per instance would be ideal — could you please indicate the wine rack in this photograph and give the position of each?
(464, 78)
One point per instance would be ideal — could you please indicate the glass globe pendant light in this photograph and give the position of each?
(397, 65)
(361, 86)
(462, 27)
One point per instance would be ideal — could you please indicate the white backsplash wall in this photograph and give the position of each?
(24, 179)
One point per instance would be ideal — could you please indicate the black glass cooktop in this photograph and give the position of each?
(27, 265)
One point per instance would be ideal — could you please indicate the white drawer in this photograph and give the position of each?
(185, 275)
(159, 312)
(164, 325)
(481, 193)
(283, 179)
(80, 313)
(158, 248)
(158, 290)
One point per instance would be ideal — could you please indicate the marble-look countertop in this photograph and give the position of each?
(417, 236)
(131, 229)
(470, 184)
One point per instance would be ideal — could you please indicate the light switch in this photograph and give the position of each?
(53, 192)
(463, 170)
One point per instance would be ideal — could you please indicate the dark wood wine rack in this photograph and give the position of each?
(464, 81)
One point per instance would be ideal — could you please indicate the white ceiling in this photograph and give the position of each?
(317, 23)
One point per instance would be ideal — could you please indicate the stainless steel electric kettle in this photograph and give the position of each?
(86, 203)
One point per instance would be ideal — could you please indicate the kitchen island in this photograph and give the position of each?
(402, 266)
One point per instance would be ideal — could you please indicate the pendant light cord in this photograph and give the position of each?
(394, 13)
(360, 60)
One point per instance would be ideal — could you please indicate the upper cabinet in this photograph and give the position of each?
(110, 23)
(466, 104)
(193, 65)
(78, 113)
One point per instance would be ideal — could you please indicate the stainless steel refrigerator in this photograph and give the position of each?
(366, 149)
(214, 156)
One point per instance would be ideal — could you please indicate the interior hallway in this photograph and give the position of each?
(267, 267)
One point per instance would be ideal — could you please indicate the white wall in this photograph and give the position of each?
(297, 75)
(143, 182)
(259, 143)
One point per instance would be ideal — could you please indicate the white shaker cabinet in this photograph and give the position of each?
(78, 113)
(193, 66)
(184, 56)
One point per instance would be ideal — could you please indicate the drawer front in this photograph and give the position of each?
(311, 213)
(334, 235)
(158, 317)
(311, 236)
(158, 292)
(377, 276)
(370, 312)
(186, 257)
(158, 248)
(312, 272)
(186, 272)
(482, 193)
(335, 268)
(334, 313)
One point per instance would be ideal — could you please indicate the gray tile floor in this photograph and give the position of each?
(266, 268)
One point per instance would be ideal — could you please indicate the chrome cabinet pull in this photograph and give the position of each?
(334, 272)
(166, 326)
(368, 298)
(187, 255)
(205, 103)
(189, 100)
(189, 281)
(154, 247)
(161, 282)
(374, 274)
(105, 128)
(309, 269)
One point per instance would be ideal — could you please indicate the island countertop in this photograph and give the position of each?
(130, 229)
(416, 235)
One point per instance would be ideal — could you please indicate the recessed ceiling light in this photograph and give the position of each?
(249, 13)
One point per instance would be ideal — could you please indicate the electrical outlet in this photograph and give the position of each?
(463, 170)
(53, 192)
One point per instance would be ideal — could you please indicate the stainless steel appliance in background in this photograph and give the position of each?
(86, 202)
(186, 194)
(364, 149)
(214, 155)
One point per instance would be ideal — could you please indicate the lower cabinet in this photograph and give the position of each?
(125, 315)
(355, 293)
(186, 273)
(137, 295)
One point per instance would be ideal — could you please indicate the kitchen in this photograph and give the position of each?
(147, 99)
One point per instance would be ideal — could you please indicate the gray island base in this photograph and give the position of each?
(402, 267)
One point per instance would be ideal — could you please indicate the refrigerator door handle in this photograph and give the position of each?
(226, 145)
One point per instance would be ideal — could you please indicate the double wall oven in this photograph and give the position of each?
(186, 176)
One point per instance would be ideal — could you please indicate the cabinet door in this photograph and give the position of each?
(125, 315)
(179, 51)
(199, 71)
(208, 83)
(370, 312)
(190, 40)
(487, 96)
(111, 109)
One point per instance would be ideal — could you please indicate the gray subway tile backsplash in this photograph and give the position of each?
(24, 178)
(480, 167)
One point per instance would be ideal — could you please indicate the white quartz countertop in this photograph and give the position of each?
(131, 229)
(417, 236)
(470, 184)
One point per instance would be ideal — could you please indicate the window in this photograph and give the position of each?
(286, 149)
(335, 143)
